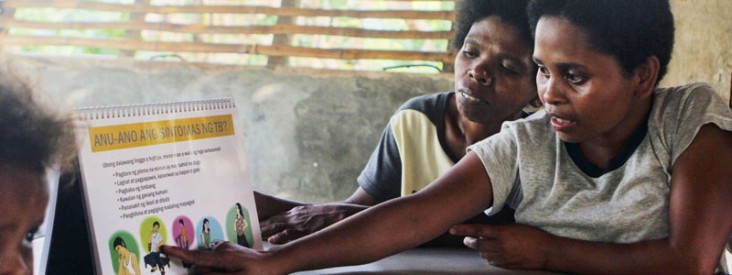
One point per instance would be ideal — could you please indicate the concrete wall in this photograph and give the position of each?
(703, 49)
(308, 136)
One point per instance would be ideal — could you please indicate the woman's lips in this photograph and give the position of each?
(561, 124)
(470, 97)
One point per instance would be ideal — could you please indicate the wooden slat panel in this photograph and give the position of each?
(207, 29)
(284, 11)
(277, 50)
(136, 18)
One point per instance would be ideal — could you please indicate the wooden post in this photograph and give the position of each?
(282, 39)
(449, 67)
(135, 34)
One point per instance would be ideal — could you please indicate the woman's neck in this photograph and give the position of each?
(601, 150)
(461, 132)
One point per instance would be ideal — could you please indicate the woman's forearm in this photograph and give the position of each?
(268, 206)
(647, 257)
(359, 239)
(395, 225)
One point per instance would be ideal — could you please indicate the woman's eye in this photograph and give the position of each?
(544, 71)
(575, 78)
(511, 68)
(30, 235)
(469, 54)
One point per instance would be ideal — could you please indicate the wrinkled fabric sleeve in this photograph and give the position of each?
(498, 154)
(696, 108)
(382, 176)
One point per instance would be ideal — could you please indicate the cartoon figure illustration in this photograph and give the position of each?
(127, 261)
(153, 259)
(239, 226)
(182, 238)
(206, 234)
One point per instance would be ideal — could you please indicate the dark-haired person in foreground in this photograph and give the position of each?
(494, 80)
(614, 176)
(34, 139)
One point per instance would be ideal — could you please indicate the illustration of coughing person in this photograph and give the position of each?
(127, 260)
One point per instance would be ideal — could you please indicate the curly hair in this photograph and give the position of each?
(512, 12)
(631, 31)
(35, 136)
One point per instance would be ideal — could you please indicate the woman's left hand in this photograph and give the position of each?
(512, 246)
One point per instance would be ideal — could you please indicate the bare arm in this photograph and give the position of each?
(268, 206)
(699, 224)
(395, 225)
(380, 231)
(305, 219)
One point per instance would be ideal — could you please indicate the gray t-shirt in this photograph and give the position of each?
(530, 170)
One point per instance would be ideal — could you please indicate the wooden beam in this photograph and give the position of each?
(209, 29)
(276, 50)
(237, 9)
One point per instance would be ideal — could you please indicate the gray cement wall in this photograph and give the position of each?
(308, 136)
(703, 48)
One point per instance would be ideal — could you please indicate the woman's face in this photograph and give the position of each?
(205, 225)
(120, 250)
(493, 73)
(584, 91)
(23, 199)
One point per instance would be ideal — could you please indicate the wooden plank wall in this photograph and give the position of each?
(279, 47)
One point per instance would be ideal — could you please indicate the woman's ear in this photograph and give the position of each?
(647, 75)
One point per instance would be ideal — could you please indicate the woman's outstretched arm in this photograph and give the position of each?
(378, 232)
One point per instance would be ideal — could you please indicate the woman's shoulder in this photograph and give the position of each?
(427, 103)
(674, 97)
(432, 108)
(537, 121)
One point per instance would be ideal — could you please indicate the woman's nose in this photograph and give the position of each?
(480, 75)
(552, 92)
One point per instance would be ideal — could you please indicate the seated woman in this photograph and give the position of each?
(494, 80)
(33, 140)
(615, 176)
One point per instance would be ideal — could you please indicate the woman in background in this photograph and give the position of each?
(494, 81)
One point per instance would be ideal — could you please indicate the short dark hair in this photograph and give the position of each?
(34, 136)
(631, 31)
(512, 12)
(156, 223)
(118, 241)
